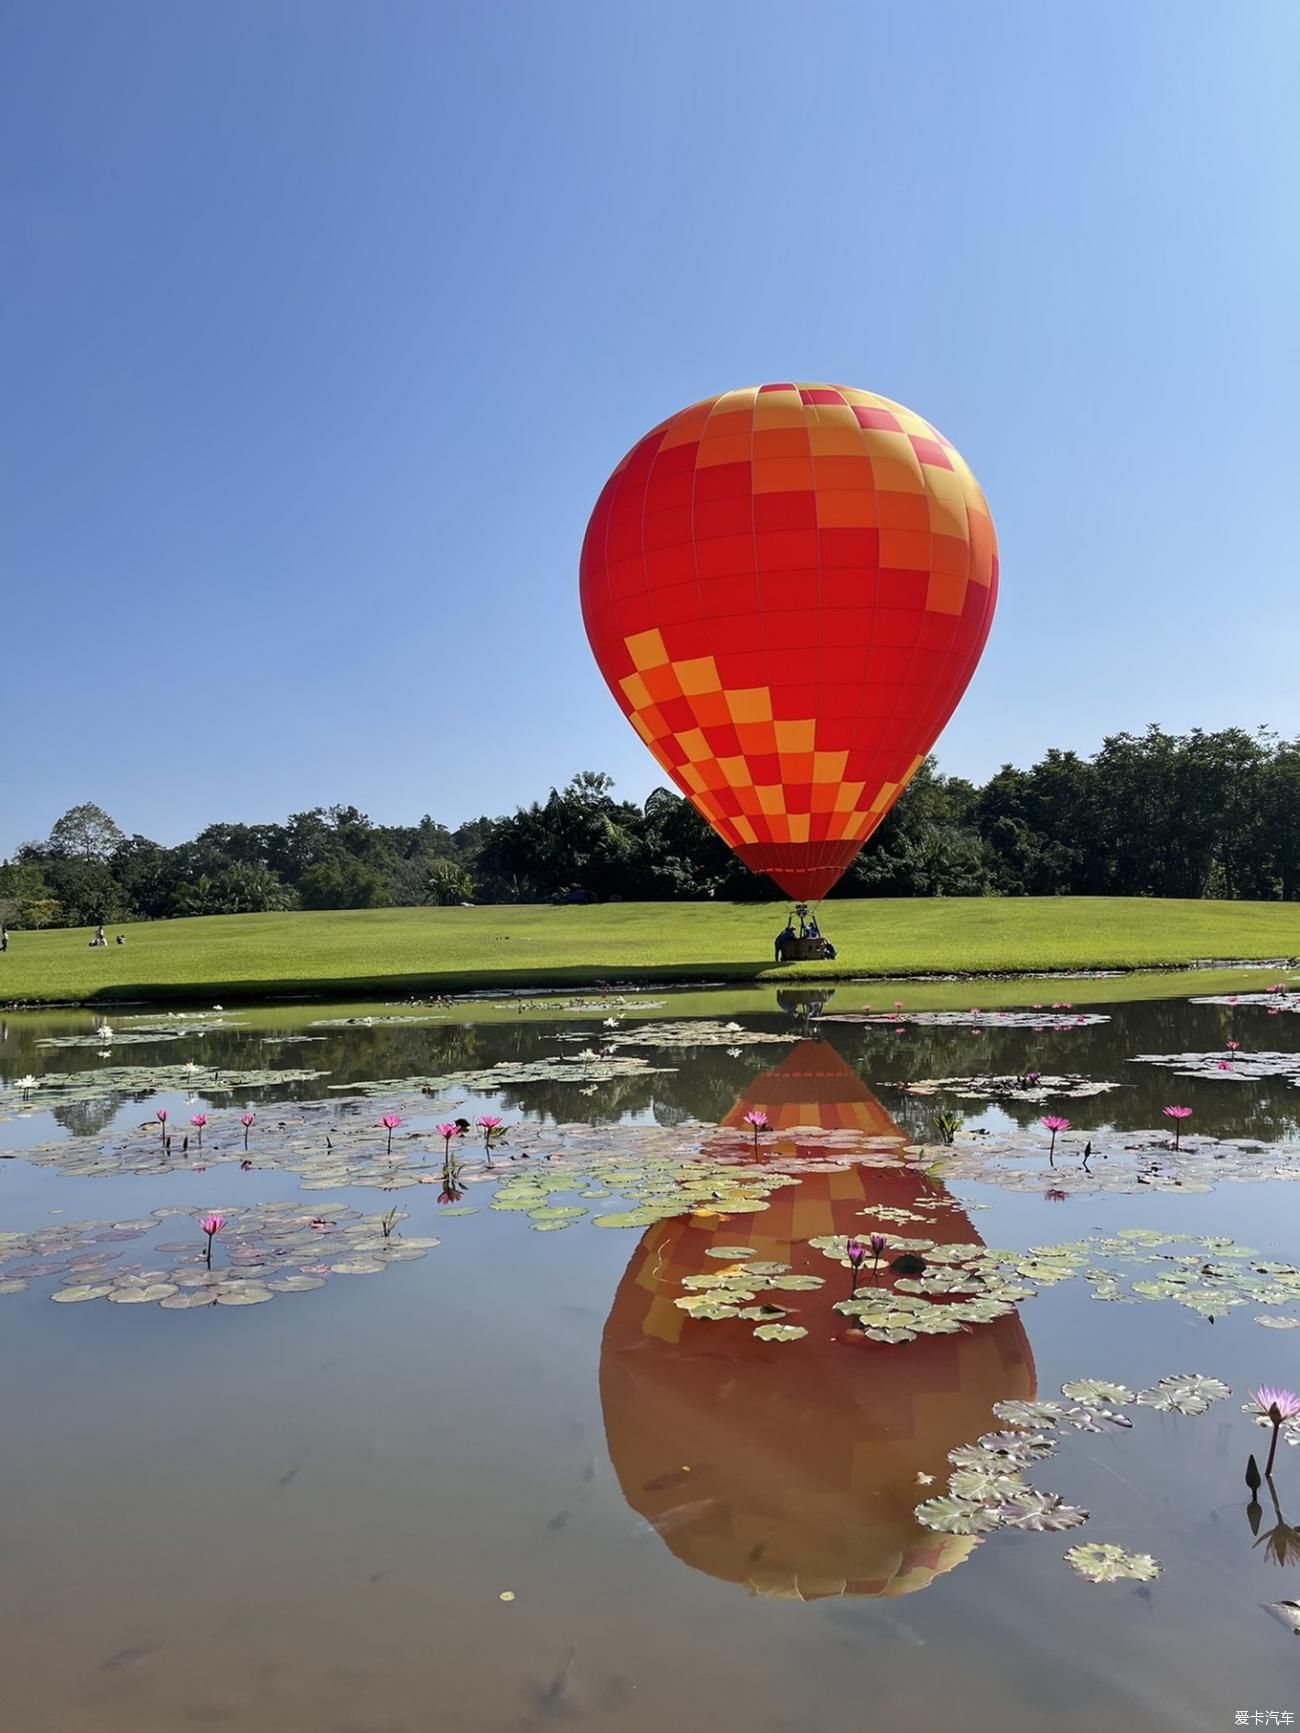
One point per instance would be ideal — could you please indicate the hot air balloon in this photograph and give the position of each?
(792, 1468)
(787, 589)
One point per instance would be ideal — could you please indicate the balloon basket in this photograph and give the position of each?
(804, 951)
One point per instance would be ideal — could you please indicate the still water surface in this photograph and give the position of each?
(302, 1517)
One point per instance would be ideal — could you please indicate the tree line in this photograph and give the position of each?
(1203, 814)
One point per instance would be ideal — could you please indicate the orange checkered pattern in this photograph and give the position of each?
(813, 1086)
(787, 589)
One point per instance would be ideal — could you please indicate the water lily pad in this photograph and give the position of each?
(1040, 1512)
(243, 1294)
(82, 1291)
(705, 1306)
(1085, 1419)
(779, 1332)
(1104, 1562)
(1184, 1393)
(1028, 1415)
(950, 1515)
(147, 1293)
(1017, 1446)
(989, 1484)
(1098, 1393)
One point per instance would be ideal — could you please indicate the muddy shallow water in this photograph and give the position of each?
(305, 1515)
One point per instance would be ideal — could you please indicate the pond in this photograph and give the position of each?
(616, 1413)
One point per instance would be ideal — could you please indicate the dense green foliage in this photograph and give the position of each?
(1158, 815)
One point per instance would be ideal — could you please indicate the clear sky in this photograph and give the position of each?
(324, 322)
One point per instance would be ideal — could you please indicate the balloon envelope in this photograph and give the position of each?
(787, 589)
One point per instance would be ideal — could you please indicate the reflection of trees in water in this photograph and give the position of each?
(1104, 1051)
(705, 1082)
(704, 1086)
(667, 1115)
(85, 1118)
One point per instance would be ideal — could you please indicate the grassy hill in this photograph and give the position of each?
(383, 951)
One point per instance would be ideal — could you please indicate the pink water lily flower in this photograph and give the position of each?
(856, 1250)
(1178, 1115)
(198, 1121)
(211, 1225)
(756, 1119)
(446, 1131)
(1275, 1405)
(489, 1123)
(1232, 1046)
(246, 1120)
(161, 1117)
(390, 1123)
(1271, 1396)
(1054, 1122)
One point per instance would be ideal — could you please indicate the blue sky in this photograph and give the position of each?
(324, 323)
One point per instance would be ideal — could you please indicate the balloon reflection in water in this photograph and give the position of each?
(792, 1468)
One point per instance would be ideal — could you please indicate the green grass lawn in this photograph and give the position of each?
(385, 951)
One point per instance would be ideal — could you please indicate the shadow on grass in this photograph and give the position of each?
(429, 982)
